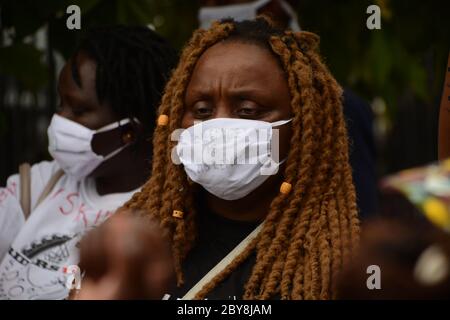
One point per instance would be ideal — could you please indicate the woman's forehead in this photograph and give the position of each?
(245, 61)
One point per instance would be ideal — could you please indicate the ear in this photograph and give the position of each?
(128, 137)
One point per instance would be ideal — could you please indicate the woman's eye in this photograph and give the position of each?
(202, 112)
(246, 112)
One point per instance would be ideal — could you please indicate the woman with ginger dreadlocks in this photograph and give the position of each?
(284, 235)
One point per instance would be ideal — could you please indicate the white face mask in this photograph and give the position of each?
(70, 146)
(243, 11)
(230, 157)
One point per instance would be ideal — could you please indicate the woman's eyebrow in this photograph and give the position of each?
(199, 92)
(249, 92)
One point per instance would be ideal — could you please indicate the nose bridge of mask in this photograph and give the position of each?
(63, 132)
(232, 123)
(60, 122)
(226, 132)
(70, 125)
(78, 136)
(228, 126)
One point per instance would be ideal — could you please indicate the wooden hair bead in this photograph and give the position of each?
(178, 214)
(285, 188)
(163, 120)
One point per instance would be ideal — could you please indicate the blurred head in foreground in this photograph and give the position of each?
(125, 258)
(410, 247)
(405, 260)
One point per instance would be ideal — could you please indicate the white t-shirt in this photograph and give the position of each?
(33, 254)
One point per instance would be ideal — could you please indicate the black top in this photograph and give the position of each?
(217, 236)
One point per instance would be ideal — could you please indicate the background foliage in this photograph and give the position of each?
(400, 67)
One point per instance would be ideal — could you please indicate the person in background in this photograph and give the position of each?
(358, 114)
(281, 12)
(100, 143)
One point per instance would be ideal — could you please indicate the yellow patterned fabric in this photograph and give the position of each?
(428, 188)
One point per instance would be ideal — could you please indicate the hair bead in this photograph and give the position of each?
(163, 120)
(178, 214)
(285, 188)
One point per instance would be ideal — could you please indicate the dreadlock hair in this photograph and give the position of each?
(308, 233)
(133, 66)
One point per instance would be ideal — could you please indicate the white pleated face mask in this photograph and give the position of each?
(70, 145)
(242, 11)
(230, 157)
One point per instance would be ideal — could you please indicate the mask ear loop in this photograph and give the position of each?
(280, 123)
(127, 137)
(114, 125)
